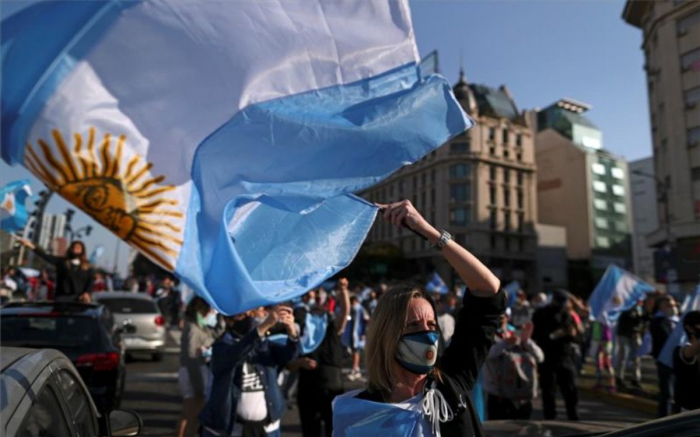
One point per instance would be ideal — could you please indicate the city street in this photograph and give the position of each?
(152, 391)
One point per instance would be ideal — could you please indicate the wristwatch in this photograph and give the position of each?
(442, 241)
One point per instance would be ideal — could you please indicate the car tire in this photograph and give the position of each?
(157, 356)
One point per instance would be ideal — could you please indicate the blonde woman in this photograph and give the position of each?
(410, 392)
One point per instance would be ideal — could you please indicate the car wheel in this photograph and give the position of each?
(157, 356)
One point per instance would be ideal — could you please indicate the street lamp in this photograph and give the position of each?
(663, 188)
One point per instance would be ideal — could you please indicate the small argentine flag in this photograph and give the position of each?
(617, 291)
(436, 285)
(13, 212)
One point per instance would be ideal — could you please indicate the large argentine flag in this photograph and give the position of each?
(223, 139)
(13, 211)
(678, 337)
(617, 291)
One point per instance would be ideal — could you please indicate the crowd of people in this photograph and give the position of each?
(415, 351)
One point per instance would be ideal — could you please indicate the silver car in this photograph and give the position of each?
(147, 333)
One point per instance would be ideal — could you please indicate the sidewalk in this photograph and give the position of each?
(644, 400)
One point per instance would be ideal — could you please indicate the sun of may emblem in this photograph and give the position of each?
(115, 187)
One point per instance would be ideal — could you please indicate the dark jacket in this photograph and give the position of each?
(71, 280)
(660, 328)
(229, 353)
(632, 323)
(460, 364)
(546, 321)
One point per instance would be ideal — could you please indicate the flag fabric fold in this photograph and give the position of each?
(224, 140)
(678, 337)
(617, 291)
(436, 285)
(13, 211)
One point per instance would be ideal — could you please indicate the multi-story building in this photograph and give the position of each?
(671, 44)
(52, 227)
(583, 188)
(645, 216)
(480, 186)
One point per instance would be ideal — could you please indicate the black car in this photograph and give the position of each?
(85, 333)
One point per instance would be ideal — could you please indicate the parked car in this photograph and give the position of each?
(85, 333)
(43, 395)
(140, 311)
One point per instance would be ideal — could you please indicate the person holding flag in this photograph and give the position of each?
(74, 274)
(409, 392)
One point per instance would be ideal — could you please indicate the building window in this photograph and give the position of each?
(506, 176)
(492, 173)
(459, 148)
(620, 208)
(621, 227)
(693, 137)
(506, 196)
(601, 223)
(493, 242)
(460, 192)
(459, 216)
(415, 183)
(493, 219)
(600, 186)
(505, 137)
(391, 191)
(492, 134)
(600, 204)
(617, 173)
(684, 24)
(492, 195)
(432, 198)
(695, 174)
(602, 242)
(520, 200)
(692, 97)
(432, 176)
(519, 140)
(401, 188)
(521, 244)
(598, 168)
(521, 221)
(460, 171)
(506, 220)
(424, 179)
(519, 156)
(520, 178)
(423, 202)
(689, 59)
(492, 151)
(507, 244)
(506, 154)
(618, 190)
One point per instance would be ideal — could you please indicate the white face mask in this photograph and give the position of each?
(75, 261)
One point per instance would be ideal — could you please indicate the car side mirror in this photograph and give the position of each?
(124, 423)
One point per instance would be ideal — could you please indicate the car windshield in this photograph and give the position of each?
(122, 305)
(59, 331)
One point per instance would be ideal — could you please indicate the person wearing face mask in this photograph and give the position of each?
(409, 391)
(662, 324)
(193, 376)
(74, 274)
(245, 399)
(630, 332)
(354, 335)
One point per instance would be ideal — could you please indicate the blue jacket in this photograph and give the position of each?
(229, 353)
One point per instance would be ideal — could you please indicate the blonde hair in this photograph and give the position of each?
(385, 331)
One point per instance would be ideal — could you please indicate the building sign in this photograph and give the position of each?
(551, 184)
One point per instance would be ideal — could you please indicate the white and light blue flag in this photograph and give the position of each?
(13, 211)
(436, 285)
(97, 252)
(511, 292)
(678, 337)
(617, 291)
(223, 139)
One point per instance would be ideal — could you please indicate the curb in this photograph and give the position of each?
(622, 400)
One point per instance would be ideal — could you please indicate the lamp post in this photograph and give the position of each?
(662, 189)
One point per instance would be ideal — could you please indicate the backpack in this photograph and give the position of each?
(514, 374)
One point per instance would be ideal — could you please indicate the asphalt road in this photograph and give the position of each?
(152, 391)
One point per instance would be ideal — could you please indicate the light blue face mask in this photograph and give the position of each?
(417, 351)
(212, 320)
